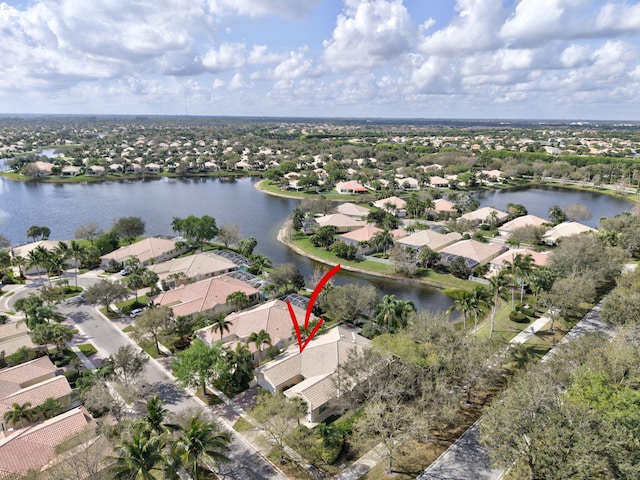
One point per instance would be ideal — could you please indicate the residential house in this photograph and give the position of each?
(503, 260)
(194, 267)
(343, 223)
(32, 448)
(44, 168)
(24, 250)
(352, 210)
(70, 171)
(147, 251)
(519, 222)
(565, 229)
(429, 239)
(152, 168)
(443, 207)
(362, 237)
(351, 186)
(207, 296)
(409, 183)
(394, 205)
(273, 317)
(438, 182)
(473, 252)
(311, 375)
(486, 215)
(96, 170)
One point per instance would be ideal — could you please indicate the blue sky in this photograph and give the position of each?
(551, 59)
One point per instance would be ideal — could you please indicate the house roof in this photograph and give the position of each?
(539, 258)
(430, 238)
(339, 220)
(351, 185)
(13, 379)
(442, 205)
(33, 447)
(567, 229)
(194, 265)
(144, 250)
(484, 213)
(522, 221)
(396, 201)
(436, 180)
(363, 234)
(321, 356)
(203, 295)
(316, 391)
(352, 210)
(273, 317)
(476, 251)
(23, 250)
(57, 387)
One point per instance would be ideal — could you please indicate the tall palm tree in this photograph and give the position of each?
(259, 263)
(521, 267)
(259, 339)
(220, 324)
(21, 263)
(498, 289)
(480, 297)
(20, 414)
(140, 457)
(393, 313)
(463, 302)
(76, 252)
(242, 365)
(382, 240)
(202, 447)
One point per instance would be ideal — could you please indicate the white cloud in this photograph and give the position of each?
(368, 34)
(260, 54)
(256, 8)
(472, 30)
(574, 56)
(238, 81)
(227, 56)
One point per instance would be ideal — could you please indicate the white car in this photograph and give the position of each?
(136, 312)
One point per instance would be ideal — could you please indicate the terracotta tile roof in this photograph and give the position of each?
(198, 265)
(57, 387)
(273, 317)
(13, 379)
(339, 220)
(539, 258)
(567, 229)
(363, 234)
(472, 249)
(484, 213)
(144, 250)
(522, 221)
(396, 201)
(352, 210)
(33, 447)
(442, 205)
(430, 238)
(203, 296)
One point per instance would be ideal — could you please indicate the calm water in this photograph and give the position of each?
(539, 200)
(64, 207)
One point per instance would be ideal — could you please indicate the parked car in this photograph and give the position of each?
(125, 271)
(136, 312)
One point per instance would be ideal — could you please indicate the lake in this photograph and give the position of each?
(64, 207)
(235, 201)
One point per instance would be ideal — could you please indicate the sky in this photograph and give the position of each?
(489, 59)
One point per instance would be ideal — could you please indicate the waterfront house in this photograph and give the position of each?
(193, 267)
(503, 260)
(311, 375)
(350, 186)
(342, 223)
(487, 215)
(147, 251)
(444, 207)
(519, 222)
(429, 239)
(208, 296)
(473, 252)
(438, 182)
(70, 171)
(352, 210)
(565, 229)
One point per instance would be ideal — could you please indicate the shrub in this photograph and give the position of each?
(518, 317)
(72, 376)
(182, 343)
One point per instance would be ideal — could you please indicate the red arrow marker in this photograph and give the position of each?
(312, 301)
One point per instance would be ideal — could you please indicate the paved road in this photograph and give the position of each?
(246, 462)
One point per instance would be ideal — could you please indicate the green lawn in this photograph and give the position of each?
(242, 425)
(88, 349)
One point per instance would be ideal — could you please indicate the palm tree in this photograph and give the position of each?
(35, 259)
(259, 339)
(201, 447)
(259, 263)
(238, 299)
(428, 257)
(521, 267)
(382, 240)
(49, 408)
(220, 324)
(155, 418)
(393, 313)
(20, 414)
(479, 303)
(140, 457)
(498, 289)
(242, 361)
(76, 252)
(176, 225)
(463, 302)
(21, 263)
